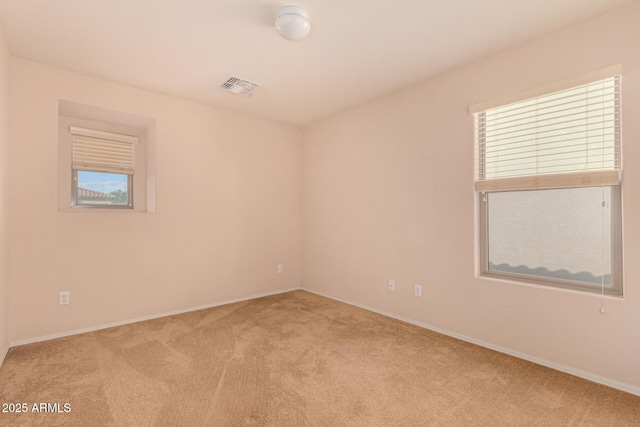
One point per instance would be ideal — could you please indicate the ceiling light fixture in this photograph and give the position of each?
(293, 23)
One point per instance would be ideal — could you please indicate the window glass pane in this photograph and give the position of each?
(562, 234)
(99, 188)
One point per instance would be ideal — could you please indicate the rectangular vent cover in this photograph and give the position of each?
(239, 86)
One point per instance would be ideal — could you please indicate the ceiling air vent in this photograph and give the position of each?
(239, 86)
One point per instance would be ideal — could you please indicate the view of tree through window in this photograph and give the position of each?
(99, 188)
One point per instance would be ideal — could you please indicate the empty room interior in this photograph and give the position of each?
(359, 213)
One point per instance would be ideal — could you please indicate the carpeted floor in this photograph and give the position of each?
(294, 359)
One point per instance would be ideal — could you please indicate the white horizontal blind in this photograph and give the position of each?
(569, 138)
(103, 151)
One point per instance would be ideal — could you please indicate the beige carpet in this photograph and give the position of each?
(294, 359)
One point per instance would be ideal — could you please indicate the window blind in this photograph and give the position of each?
(102, 151)
(568, 138)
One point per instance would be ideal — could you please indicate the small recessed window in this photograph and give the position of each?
(106, 160)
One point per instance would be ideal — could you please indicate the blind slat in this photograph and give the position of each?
(603, 120)
(590, 144)
(569, 96)
(98, 134)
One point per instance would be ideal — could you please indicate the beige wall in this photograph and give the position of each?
(227, 211)
(388, 194)
(4, 198)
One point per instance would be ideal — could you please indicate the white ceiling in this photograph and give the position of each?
(357, 50)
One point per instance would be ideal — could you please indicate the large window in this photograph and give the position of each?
(548, 183)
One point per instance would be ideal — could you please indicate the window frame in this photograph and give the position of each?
(615, 288)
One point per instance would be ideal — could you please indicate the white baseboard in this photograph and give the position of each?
(558, 367)
(142, 319)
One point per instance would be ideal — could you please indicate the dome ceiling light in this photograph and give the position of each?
(293, 23)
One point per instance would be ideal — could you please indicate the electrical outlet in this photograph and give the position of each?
(64, 298)
(392, 285)
(279, 268)
(417, 290)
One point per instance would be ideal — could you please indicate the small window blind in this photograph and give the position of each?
(102, 151)
(569, 138)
